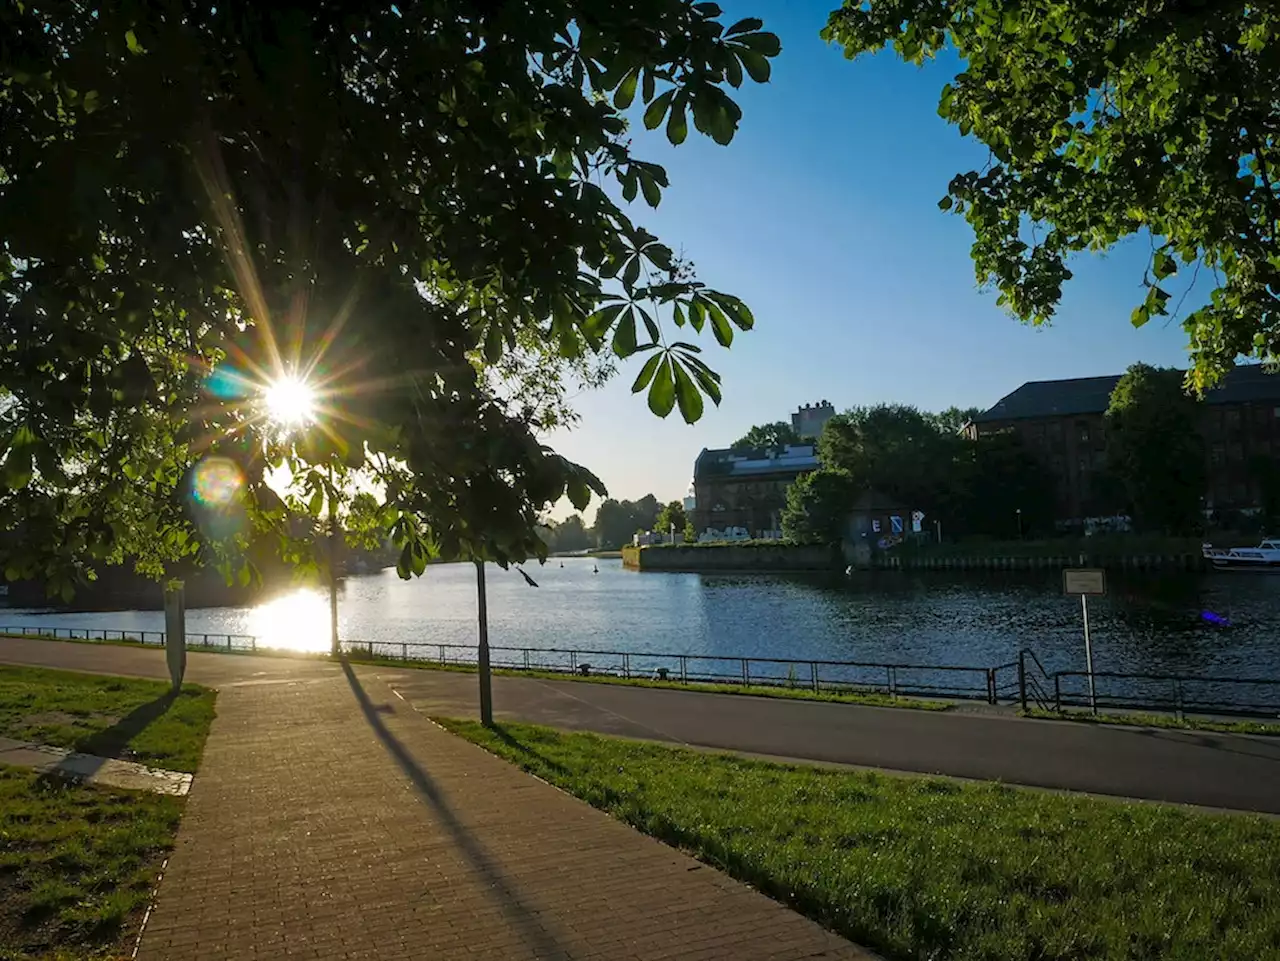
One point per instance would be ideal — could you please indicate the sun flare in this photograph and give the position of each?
(290, 402)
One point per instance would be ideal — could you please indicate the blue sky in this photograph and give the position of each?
(822, 215)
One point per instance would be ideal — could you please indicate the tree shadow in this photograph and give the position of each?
(511, 741)
(114, 741)
(502, 892)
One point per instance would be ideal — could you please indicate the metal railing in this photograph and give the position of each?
(892, 679)
(213, 641)
(1025, 682)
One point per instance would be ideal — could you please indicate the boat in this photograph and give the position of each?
(1266, 556)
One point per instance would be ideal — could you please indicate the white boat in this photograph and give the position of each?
(1266, 556)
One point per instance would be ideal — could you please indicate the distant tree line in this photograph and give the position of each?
(615, 523)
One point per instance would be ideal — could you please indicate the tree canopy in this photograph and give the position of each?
(773, 436)
(1121, 117)
(1155, 449)
(385, 202)
(617, 520)
(671, 514)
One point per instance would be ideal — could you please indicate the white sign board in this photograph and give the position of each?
(1084, 580)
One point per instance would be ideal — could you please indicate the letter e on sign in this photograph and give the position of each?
(1084, 580)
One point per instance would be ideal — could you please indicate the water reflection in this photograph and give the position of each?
(295, 622)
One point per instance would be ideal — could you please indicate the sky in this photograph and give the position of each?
(822, 215)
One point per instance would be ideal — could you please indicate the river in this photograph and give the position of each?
(1147, 623)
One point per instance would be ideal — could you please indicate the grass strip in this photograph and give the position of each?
(933, 868)
(77, 865)
(120, 717)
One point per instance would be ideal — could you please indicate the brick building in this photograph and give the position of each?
(1062, 422)
(748, 489)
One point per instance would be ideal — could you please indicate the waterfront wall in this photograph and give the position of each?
(733, 557)
(995, 561)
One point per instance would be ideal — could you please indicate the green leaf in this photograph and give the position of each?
(658, 109)
(756, 64)
(631, 273)
(732, 70)
(245, 574)
(720, 324)
(1163, 265)
(697, 314)
(630, 181)
(90, 101)
(945, 203)
(677, 125)
(662, 392)
(748, 25)
(131, 41)
(650, 326)
(626, 90)
(687, 395)
(648, 86)
(762, 43)
(598, 323)
(646, 373)
(493, 343)
(624, 335)
(652, 194)
(659, 255)
(678, 314)
(316, 504)
(578, 491)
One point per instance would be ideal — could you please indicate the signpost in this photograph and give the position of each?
(1085, 581)
(175, 633)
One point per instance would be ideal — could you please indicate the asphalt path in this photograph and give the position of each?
(1229, 771)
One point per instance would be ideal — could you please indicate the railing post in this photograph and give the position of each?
(1022, 679)
(893, 682)
(253, 642)
(1057, 693)
(526, 658)
(1177, 699)
(813, 669)
(991, 685)
(746, 674)
(684, 669)
(441, 661)
(404, 651)
(573, 662)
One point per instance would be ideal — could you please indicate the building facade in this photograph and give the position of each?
(746, 489)
(1062, 422)
(809, 419)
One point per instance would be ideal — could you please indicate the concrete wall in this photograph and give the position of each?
(734, 557)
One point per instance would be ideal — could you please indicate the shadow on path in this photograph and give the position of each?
(114, 741)
(508, 901)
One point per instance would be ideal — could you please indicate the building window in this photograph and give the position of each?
(1217, 455)
(1083, 464)
(1083, 428)
(1233, 418)
(1055, 429)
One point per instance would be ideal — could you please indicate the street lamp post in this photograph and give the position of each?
(482, 649)
(1018, 513)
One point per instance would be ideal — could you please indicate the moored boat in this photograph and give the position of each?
(1266, 556)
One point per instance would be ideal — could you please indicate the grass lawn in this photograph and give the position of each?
(77, 865)
(117, 717)
(930, 868)
(1171, 721)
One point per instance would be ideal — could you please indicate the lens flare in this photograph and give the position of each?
(216, 482)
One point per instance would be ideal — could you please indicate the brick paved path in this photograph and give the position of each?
(330, 820)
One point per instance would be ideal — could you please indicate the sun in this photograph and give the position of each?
(290, 401)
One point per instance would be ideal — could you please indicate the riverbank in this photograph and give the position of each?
(745, 557)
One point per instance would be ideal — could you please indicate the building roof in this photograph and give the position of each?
(744, 463)
(1092, 395)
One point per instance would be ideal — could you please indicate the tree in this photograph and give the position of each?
(817, 504)
(570, 535)
(1155, 450)
(672, 514)
(616, 521)
(381, 202)
(953, 419)
(892, 448)
(775, 436)
(995, 487)
(1106, 120)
